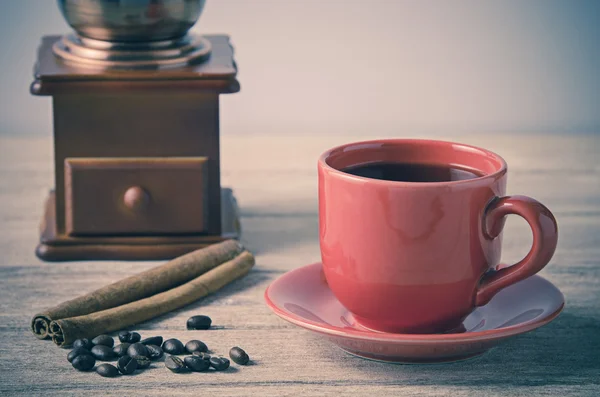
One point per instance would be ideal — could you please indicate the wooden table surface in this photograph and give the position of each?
(274, 179)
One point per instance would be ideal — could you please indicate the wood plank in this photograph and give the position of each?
(279, 223)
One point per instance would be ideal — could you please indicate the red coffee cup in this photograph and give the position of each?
(418, 257)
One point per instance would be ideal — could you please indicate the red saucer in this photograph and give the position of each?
(303, 297)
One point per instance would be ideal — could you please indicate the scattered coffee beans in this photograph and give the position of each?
(195, 346)
(103, 340)
(137, 349)
(199, 322)
(219, 363)
(153, 340)
(103, 353)
(202, 355)
(107, 370)
(135, 353)
(196, 364)
(154, 352)
(84, 362)
(127, 365)
(239, 356)
(175, 364)
(78, 351)
(143, 362)
(129, 337)
(84, 343)
(121, 350)
(173, 346)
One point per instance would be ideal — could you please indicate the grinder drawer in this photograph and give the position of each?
(141, 195)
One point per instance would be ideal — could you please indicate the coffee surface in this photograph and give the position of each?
(413, 172)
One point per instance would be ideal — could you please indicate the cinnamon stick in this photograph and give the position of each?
(139, 286)
(67, 330)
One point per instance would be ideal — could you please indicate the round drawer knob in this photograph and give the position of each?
(136, 198)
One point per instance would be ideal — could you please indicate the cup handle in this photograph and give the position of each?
(545, 237)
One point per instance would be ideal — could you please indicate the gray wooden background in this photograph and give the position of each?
(274, 179)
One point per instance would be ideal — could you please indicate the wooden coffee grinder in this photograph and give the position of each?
(136, 135)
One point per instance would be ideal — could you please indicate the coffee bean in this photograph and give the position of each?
(195, 346)
(196, 364)
(129, 337)
(84, 343)
(103, 353)
(175, 364)
(143, 362)
(103, 340)
(219, 363)
(199, 322)
(137, 349)
(121, 350)
(153, 340)
(107, 370)
(85, 362)
(239, 356)
(154, 352)
(127, 365)
(202, 355)
(78, 351)
(173, 346)
(124, 336)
